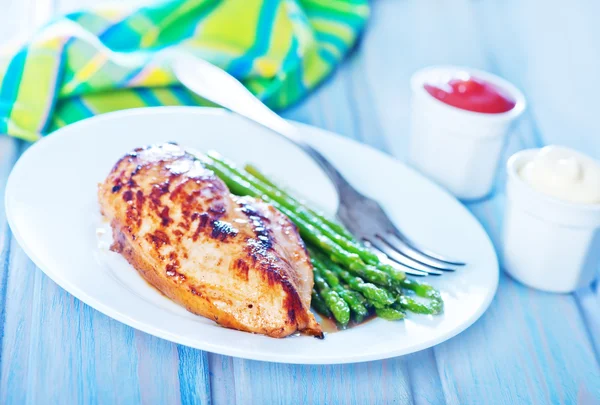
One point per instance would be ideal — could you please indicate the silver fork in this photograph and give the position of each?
(363, 216)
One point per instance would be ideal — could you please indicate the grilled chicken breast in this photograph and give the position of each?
(236, 260)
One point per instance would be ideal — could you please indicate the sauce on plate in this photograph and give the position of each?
(328, 325)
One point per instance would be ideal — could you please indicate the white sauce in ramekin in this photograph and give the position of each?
(565, 174)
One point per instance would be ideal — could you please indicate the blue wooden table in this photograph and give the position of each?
(529, 347)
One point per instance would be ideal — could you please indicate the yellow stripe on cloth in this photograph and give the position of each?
(83, 75)
(32, 108)
(241, 22)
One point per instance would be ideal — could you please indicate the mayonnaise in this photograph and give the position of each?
(564, 174)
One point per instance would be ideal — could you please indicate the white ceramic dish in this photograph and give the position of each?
(52, 210)
(458, 149)
(548, 244)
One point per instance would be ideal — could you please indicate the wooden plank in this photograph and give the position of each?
(222, 380)
(379, 382)
(8, 155)
(55, 348)
(16, 332)
(373, 383)
(425, 383)
(157, 362)
(194, 379)
(517, 356)
(589, 304)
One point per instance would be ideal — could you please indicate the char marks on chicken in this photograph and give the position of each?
(235, 260)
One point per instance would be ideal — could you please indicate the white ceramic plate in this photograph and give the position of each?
(53, 212)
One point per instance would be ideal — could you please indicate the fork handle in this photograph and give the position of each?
(221, 88)
(261, 114)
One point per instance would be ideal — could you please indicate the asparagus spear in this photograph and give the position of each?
(434, 306)
(337, 306)
(319, 305)
(332, 224)
(382, 308)
(354, 300)
(389, 314)
(377, 296)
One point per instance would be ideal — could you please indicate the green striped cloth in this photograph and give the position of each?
(118, 57)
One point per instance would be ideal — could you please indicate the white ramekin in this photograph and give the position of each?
(458, 149)
(548, 244)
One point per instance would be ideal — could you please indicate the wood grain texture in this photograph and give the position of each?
(8, 155)
(530, 347)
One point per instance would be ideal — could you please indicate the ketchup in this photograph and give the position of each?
(472, 95)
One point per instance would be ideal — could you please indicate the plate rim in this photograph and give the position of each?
(206, 345)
